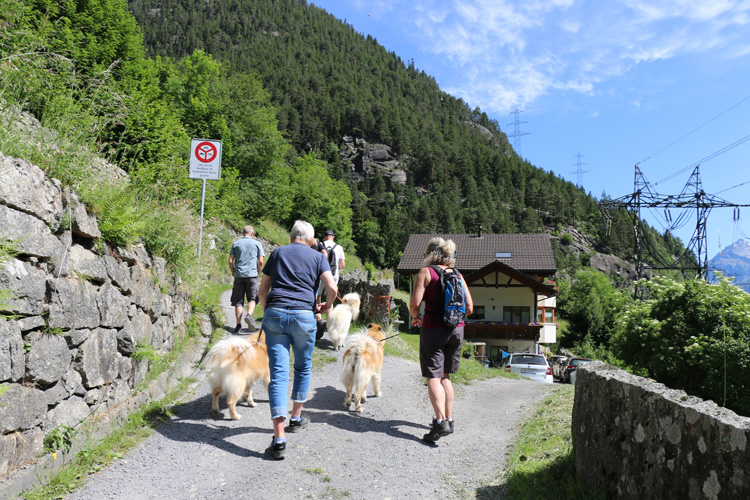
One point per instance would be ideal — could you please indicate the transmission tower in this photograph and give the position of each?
(578, 164)
(692, 197)
(517, 130)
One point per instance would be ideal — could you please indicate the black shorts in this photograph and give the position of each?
(440, 350)
(244, 287)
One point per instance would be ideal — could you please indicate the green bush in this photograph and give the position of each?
(692, 336)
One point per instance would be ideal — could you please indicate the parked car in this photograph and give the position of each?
(554, 363)
(574, 371)
(570, 366)
(533, 366)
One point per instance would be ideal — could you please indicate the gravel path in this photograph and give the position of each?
(376, 454)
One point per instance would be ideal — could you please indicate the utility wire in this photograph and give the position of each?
(695, 129)
(738, 185)
(707, 158)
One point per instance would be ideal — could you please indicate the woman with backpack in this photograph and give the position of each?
(447, 300)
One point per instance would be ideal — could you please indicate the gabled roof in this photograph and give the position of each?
(514, 274)
(528, 253)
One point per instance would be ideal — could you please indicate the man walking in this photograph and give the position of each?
(287, 296)
(245, 263)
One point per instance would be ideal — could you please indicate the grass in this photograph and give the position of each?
(95, 458)
(541, 465)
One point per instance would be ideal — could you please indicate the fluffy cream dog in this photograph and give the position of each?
(340, 319)
(363, 361)
(235, 364)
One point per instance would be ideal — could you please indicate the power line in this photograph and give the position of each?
(695, 129)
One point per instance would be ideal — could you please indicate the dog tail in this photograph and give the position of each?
(354, 370)
(229, 351)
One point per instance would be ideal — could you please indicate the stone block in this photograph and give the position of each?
(97, 361)
(24, 187)
(21, 408)
(113, 306)
(69, 413)
(32, 236)
(31, 322)
(119, 272)
(72, 303)
(87, 265)
(48, 358)
(19, 448)
(27, 284)
(83, 223)
(12, 358)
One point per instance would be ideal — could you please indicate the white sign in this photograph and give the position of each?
(205, 159)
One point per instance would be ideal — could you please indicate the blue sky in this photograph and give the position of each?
(665, 84)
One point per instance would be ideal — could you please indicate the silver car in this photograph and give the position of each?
(533, 366)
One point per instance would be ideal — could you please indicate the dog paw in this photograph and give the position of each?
(252, 404)
(378, 394)
(358, 408)
(235, 417)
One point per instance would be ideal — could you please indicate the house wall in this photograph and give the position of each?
(499, 297)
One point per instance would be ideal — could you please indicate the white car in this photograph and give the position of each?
(533, 366)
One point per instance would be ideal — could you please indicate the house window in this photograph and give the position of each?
(502, 255)
(546, 315)
(516, 314)
(478, 313)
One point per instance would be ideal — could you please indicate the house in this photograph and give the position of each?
(508, 276)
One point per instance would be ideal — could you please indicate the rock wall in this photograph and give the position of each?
(77, 315)
(377, 305)
(634, 438)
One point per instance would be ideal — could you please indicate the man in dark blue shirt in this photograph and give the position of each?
(287, 296)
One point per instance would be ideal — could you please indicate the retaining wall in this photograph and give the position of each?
(634, 438)
(80, 311)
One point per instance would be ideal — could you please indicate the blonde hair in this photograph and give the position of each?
(440, 252)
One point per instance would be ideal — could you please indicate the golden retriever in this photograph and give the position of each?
(363, 361)
(340, 319)
(235, 363)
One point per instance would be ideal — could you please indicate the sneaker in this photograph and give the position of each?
(437, 431)
(450, 423)
(276, 450)
(297, 425)
(237, 329)
(251, 324)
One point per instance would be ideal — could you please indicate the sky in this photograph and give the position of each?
(664, 84)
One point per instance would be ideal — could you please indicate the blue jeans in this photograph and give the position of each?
(285, 328)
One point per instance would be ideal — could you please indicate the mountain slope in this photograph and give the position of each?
(734, 262)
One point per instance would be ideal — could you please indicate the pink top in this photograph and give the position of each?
(432, 296)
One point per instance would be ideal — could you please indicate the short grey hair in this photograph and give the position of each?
(303, 230)
(440, 252)
(248, 230)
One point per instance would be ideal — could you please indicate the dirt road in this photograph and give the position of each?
(376, 454)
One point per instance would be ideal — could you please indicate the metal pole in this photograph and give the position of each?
(200, 238)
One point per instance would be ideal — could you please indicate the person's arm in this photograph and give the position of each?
(231, 263)
(417, 295)
(467, 298)
(342, 262)
(265, 287)
(260, 264)
(331, 291)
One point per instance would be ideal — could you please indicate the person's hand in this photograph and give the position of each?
(416, 321)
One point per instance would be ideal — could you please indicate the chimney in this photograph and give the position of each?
(480, 231)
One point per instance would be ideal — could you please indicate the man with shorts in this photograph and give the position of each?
(245, 263)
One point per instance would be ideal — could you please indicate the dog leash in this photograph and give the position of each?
(396, 335)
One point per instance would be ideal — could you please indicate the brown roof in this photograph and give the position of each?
(529, 253)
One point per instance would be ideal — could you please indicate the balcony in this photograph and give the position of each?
(498, 330)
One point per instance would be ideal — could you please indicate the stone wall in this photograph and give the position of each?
(634, 438)
(80, 310)
(377, 305)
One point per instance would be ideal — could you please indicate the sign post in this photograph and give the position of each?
(205, 164)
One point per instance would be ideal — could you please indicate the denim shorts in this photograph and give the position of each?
(288, 329)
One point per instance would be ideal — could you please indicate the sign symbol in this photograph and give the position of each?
(205, 152)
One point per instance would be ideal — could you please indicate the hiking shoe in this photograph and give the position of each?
(237, 329)
(251, 324)
(437, 430)
(450, 423)
(276, 450)
(297, 425)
